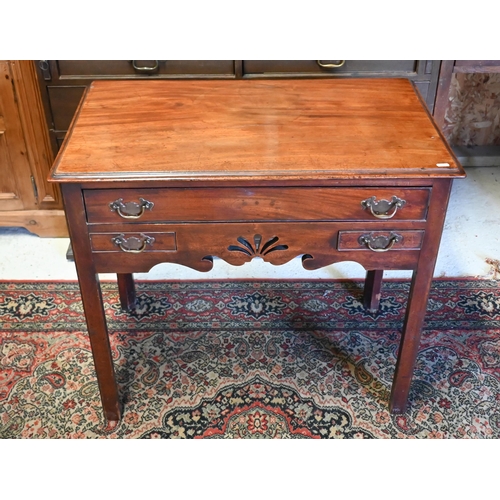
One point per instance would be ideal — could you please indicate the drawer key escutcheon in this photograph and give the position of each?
(131, 209)
(379, 243)
(380, 209)
(133, 244)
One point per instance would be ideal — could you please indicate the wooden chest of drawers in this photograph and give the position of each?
(181, 172)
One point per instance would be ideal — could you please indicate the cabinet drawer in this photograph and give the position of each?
(366, 68)
(254, 204)
(113, 69)
(380, 241)
(137, 242)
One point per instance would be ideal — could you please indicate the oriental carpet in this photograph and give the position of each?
(250, 359)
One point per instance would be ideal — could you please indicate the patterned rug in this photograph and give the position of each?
(250, 359)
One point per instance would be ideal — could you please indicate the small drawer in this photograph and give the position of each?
(137, 242)
(379, 241)
(255, 204)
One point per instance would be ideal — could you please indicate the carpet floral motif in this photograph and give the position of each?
(250, 359)
(256, 305)
(26, 306)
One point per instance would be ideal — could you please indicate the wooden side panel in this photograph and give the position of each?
(16, 193)
(26, 197)
(44, 223)
(32, 118)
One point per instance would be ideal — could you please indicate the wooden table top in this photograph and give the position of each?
(253, 129)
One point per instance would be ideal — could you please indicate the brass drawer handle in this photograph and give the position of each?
(131, 209)
(133, 244)
(379, 243)
(331, 65)
(149, 69)
(380, 209)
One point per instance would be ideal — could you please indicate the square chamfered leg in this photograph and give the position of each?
(372, 291)
(410, 340)
(126, 290)
(92, 302)
(417, 300)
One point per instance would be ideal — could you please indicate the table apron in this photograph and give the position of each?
(137, 248)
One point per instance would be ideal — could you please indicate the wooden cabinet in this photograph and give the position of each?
(62, 83)
(26, 198)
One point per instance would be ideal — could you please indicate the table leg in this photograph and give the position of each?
(92, 302)
(410, 340)
(99, 341)
(417, 300)
(372, 292)
(126, 290)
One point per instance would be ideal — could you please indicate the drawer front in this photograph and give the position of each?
(130, 242)
(333, 67)
(255, 204)
(110, 69)
(379, 241)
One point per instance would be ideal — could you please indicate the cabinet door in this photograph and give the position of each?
(16, 188)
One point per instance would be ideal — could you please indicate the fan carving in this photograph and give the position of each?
(257, 248)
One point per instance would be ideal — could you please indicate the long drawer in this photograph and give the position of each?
(333, 67)
(112, 69)
(255, 204)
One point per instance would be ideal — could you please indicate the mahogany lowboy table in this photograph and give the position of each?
(181, 171)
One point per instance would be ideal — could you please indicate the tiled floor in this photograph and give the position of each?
(471, 238)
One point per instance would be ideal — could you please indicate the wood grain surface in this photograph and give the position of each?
(266, 129)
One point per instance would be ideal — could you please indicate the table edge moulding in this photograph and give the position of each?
(182, 171)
